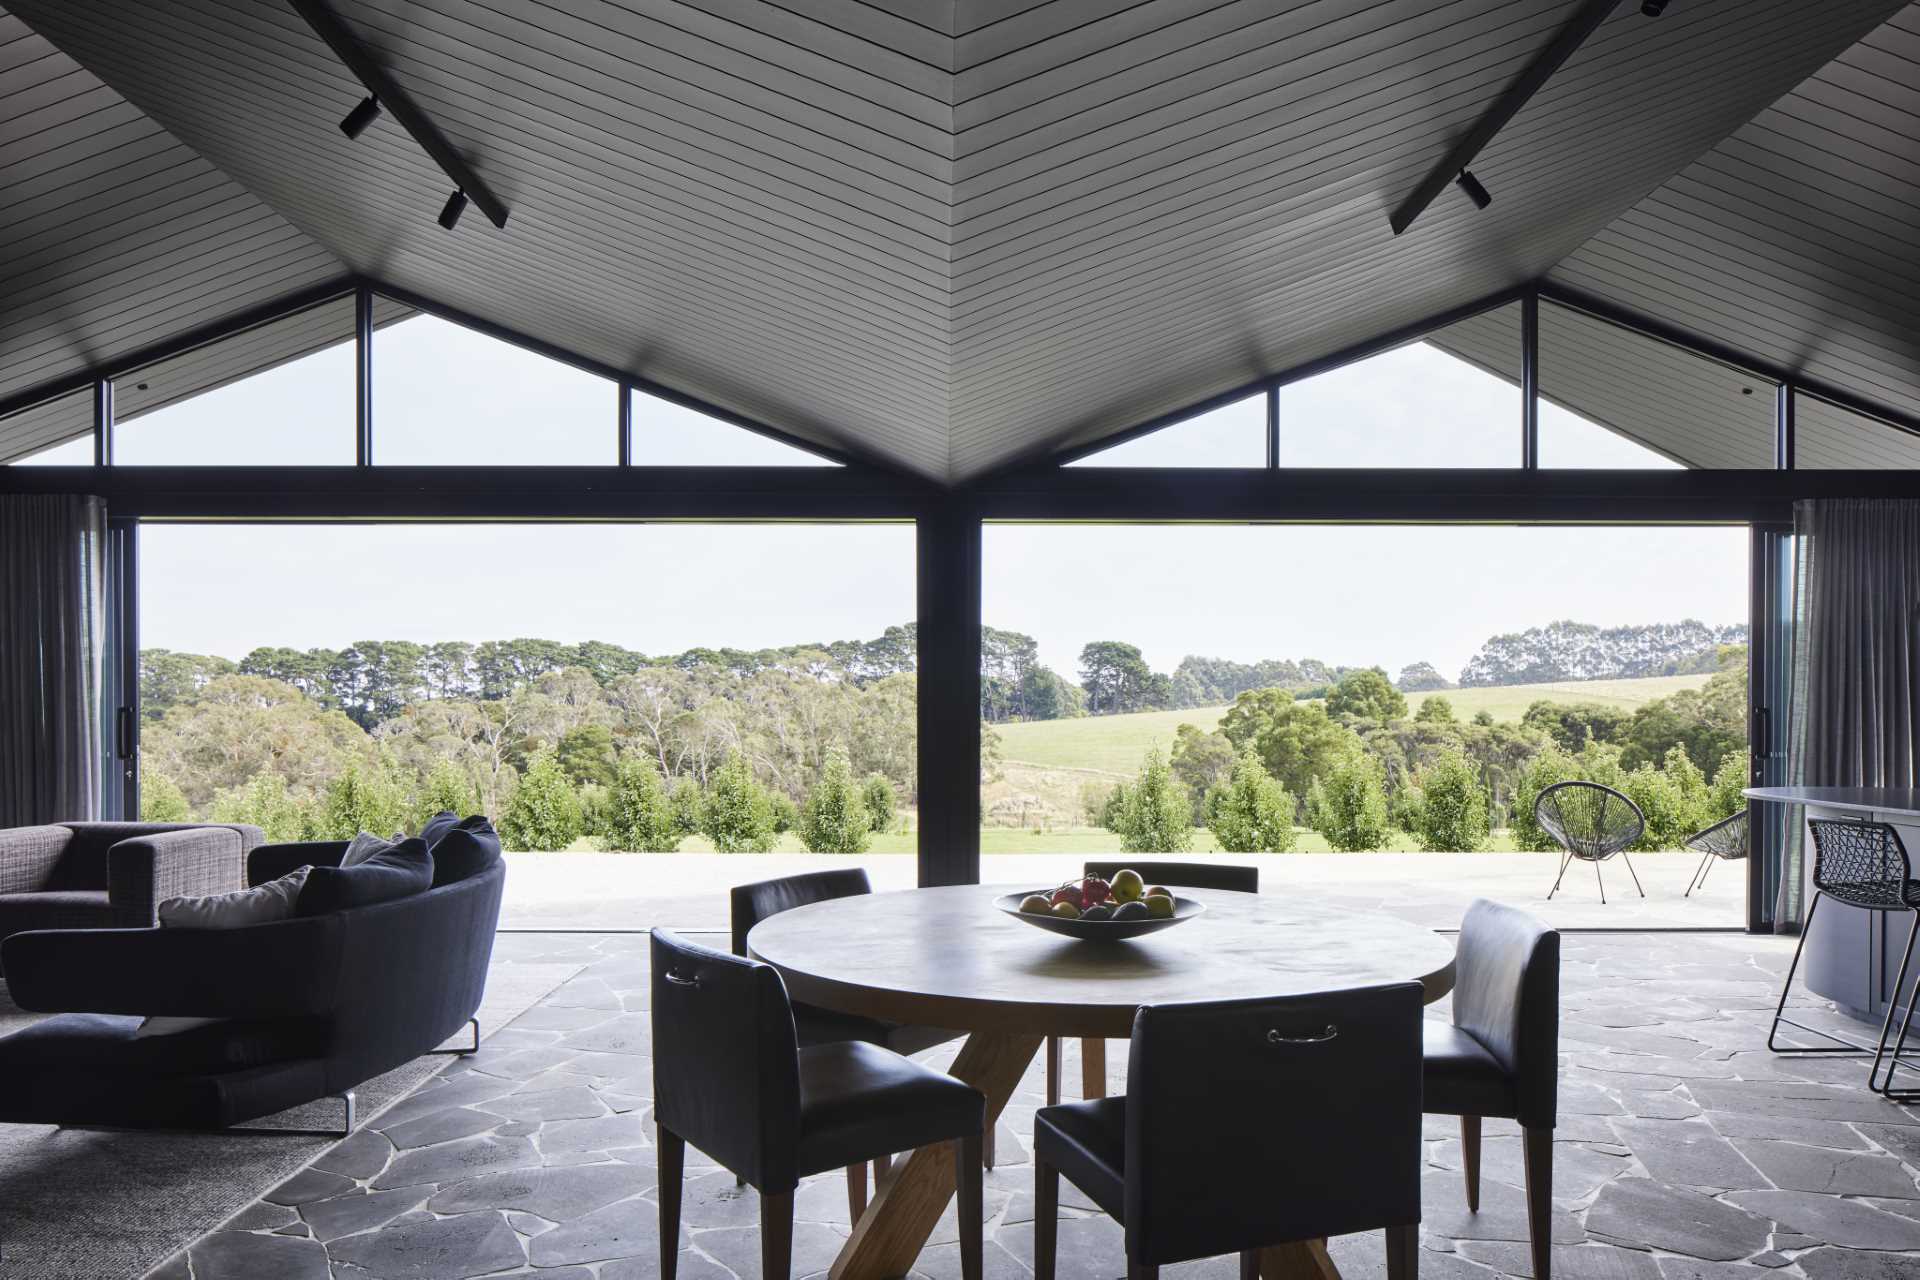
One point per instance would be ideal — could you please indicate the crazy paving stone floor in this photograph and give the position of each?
(1685, 1151)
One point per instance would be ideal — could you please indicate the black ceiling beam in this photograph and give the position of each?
(1570, 37)
(347, 47)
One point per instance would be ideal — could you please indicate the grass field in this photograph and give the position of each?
(1114, 744)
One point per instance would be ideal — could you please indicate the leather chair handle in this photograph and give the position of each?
(679, 980)
(1275, 1037)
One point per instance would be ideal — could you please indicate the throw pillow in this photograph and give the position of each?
(261, 904)
(466, 850)
(406, 868)
(438, 825)
(365, 845)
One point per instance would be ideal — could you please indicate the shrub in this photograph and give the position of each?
(364, 797)
(1113, 809)
(835, 819)
(160, 800)
(1723, 796)
(1663, 802)
(786, 814)
(640, 814)
(1550, 766)
(1349, 805)
(1157, 815)
(736, 813)
(544, 813)
(877, 793)
(264, 802)
(689, 806)
(445, 788)
(1452, 815)
(1251, 813)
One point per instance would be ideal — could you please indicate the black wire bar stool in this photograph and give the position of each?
(1865, 865)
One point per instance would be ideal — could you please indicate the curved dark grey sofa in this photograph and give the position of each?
(313, 1006)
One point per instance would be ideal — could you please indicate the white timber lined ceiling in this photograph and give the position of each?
(953, 236)
(113, 233)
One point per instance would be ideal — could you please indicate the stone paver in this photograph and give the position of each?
(1684, 1152)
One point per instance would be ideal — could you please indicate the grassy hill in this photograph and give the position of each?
(1114, 744)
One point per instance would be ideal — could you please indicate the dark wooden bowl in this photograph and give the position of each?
(1184, 909)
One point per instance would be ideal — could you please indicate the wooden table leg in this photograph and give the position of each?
(890, 1234)
(1302, 1260)
(1093, 1068)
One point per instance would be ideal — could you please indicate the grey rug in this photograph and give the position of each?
(94, 1205)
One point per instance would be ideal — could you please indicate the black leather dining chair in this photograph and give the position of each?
(1175, 875)
(1225, 1142)
(1500, 1056)
(755, 902)
(730, 1077)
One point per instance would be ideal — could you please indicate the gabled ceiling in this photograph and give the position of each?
(951, 236)
(1797, 238)
(113, 233)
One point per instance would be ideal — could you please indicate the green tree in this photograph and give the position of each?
(1366, 694)
(1483, 718)
(835, 818)
(1544, 770)
(1157, 816)
(640, 815)
(1710, 722)
(1419, 677)
(1296, 741)
(737, 814)
(1435, 709)
(364, 797)
(1572, 725)
(1251, 813)
(877, 793)
(1116, 678)
(586, 753)
(160, 800)
(1201, 761)
(1724, 798)
(1113, 807)
(689, 807)
(544, 813)
(1348, 805)
(1452, 816)
(266, 803)
(446, 788)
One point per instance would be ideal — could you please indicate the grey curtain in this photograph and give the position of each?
(1856, 689)
(52, 628)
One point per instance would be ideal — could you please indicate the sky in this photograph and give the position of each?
(1386, 595)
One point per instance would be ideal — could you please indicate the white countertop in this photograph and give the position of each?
(1896, 800)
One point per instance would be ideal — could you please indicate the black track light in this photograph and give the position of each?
(1475, 192)
(1653, 8)
(456, 205)
(362, 115)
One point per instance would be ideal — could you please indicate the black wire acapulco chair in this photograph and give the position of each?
(1864, 865)
(1725, 839)
(1592, 823)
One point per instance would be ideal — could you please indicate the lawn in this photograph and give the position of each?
(1114, 744)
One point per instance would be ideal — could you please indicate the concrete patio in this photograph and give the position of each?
(617, 891)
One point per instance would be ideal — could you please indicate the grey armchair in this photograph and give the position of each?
(113, 875)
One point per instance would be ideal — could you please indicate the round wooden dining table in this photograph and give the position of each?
(947, 957)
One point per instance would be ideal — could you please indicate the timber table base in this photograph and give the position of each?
(946, 958)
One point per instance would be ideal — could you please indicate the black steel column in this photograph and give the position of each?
(103, 422)
(1273, 427)
(363, 376)
(1530, 382)
(1783, 426)
(1771, 828)
(947, 541)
